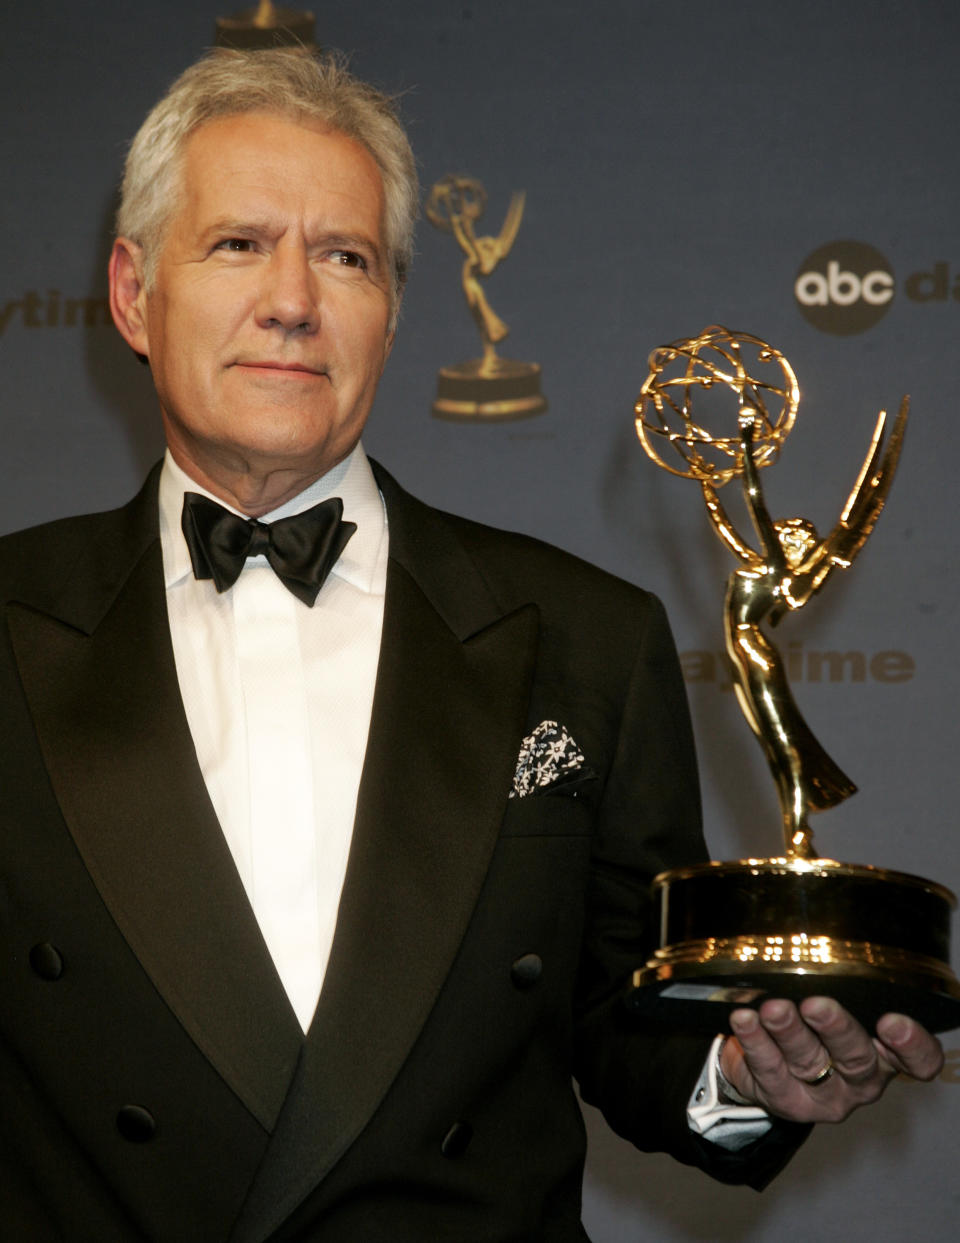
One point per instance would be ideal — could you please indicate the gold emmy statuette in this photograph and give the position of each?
(489, 387)
(796, 924)
(266, 25)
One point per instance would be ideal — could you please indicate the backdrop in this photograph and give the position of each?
(785, 169)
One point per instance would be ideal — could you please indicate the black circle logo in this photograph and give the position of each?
(844, 287)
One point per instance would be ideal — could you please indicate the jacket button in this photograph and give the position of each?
(136, 1124)
(47, 961)
(526, 970)
(457, 1140)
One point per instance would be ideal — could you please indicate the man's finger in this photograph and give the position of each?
(849, 1046)
(777, 1048)
(909, 1047)
(803, 1052)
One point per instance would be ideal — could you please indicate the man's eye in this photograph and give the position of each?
(348, 259)
(237, 244)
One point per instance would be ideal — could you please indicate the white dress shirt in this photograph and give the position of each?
(278, 697)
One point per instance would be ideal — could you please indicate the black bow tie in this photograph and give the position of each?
(302, 549)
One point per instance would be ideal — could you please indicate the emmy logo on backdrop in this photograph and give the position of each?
(265, 26)
(795, 924)
(489, 387)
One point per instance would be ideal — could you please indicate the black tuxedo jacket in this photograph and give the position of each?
(154, 1082)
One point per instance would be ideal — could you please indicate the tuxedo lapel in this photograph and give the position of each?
(97, 668)
(451, 701)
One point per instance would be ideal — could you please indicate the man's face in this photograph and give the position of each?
(267, 324)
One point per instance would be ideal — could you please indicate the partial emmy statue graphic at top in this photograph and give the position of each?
(266, 25)
(489, 387)
(714, 409)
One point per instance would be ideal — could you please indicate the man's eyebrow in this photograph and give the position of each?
(230, 225)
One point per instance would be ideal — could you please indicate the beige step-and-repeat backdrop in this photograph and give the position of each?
(787, 169)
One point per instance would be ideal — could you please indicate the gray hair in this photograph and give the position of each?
(287, 82)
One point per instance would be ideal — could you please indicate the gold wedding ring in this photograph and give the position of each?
(821, 1077)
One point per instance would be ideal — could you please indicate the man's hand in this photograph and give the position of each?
(815, 1063)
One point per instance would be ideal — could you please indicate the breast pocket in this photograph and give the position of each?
(566, 812)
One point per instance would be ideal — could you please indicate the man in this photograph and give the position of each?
(319, 883)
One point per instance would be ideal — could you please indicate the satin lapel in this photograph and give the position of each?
(101, 683)
(451, 700)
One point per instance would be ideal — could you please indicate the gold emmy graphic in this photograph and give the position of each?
(795, 924)
(489, 387)
(266, 25)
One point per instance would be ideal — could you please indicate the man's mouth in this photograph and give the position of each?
(279, 368)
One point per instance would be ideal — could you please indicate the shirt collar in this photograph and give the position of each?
(363, 563)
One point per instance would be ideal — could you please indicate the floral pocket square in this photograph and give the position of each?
(549, 760)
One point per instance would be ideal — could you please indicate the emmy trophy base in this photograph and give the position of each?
(476, 391)
(734, 934)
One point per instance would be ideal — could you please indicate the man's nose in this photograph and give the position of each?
(289, 292)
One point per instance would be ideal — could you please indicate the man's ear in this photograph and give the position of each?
(128, 296)
(392, 331)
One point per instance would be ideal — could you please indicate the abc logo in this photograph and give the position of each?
(844, 287)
